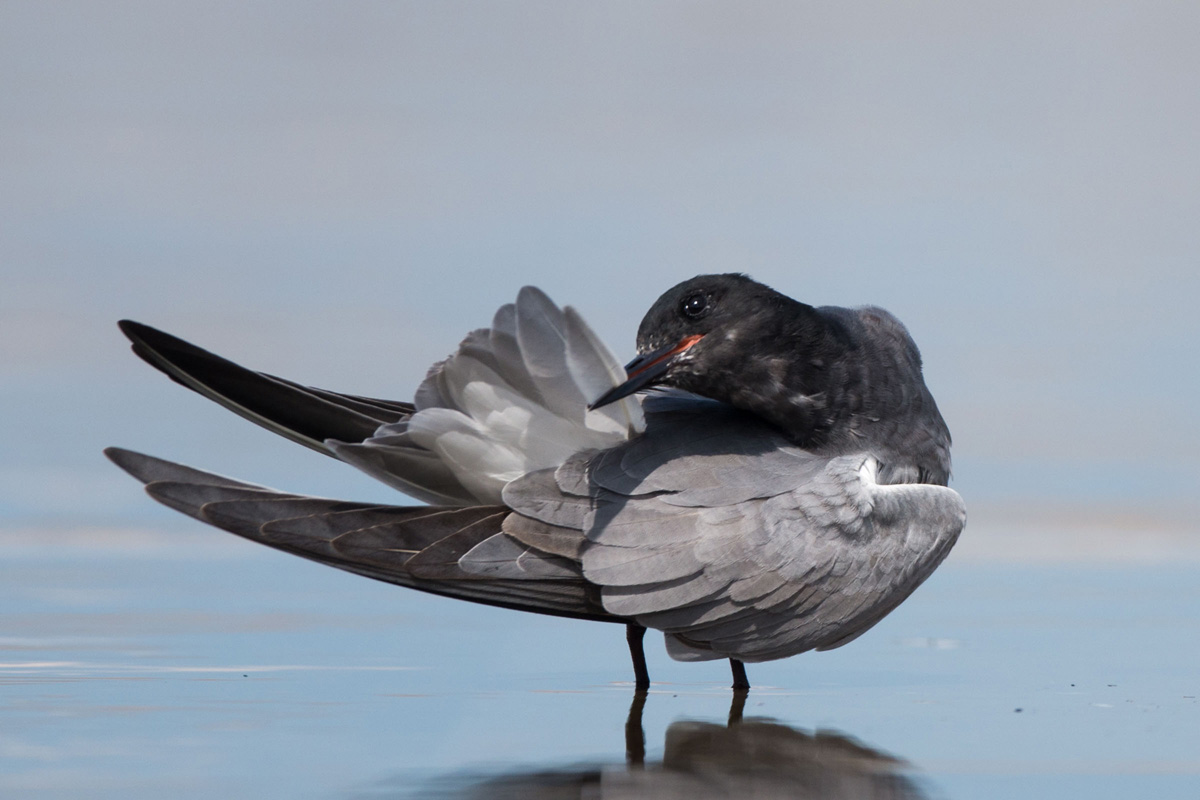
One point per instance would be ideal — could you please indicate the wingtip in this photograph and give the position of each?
(146, 341)
(144, 468)
(119, 455)
(145, 335)
(130, 328)
(130, 461)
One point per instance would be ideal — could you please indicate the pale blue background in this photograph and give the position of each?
(337, 192)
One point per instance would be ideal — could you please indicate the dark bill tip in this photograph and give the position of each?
(645, 371)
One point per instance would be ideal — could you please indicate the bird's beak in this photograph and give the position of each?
(645, 370)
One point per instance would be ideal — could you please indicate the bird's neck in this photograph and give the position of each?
(823, 381)
(800, 396)
(793, 375)
(831, 387)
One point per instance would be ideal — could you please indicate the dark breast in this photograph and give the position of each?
(881, 403)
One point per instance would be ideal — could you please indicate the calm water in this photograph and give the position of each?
(191, 665)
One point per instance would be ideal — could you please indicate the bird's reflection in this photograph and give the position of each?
(746, 758)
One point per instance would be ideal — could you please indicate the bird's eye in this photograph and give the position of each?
(695, 305)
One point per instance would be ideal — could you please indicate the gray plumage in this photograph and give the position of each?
(789, 508)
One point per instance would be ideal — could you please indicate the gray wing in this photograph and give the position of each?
(453, 551)
(716, 530)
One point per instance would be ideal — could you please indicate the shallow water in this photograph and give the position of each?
(195, 665)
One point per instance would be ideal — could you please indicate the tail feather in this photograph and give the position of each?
(398, 462)
(513, 399)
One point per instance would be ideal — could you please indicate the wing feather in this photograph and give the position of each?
(453, 551)
(761, 575)
(300, 413)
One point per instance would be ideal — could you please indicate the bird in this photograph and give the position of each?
(764, 478)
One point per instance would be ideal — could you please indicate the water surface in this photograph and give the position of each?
(188, 664)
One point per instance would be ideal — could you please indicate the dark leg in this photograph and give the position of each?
(635, 737)
(740, 681)
(641, 677)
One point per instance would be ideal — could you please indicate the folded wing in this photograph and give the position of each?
(452, 551)
(737, 544)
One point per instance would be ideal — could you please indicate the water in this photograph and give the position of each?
(191, 664)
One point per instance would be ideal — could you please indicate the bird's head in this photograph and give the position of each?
(703, 331)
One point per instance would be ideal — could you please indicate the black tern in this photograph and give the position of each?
(779, 486)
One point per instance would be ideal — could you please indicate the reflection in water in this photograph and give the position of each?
(751, 758)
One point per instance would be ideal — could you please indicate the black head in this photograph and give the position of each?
(828, 377)
(698, 331)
